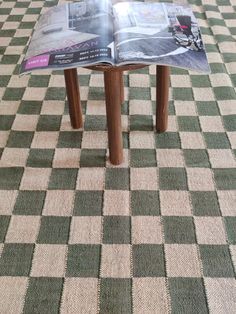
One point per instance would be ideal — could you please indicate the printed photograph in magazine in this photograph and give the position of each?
(160, 33)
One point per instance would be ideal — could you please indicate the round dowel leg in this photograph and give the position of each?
(162, 94)
(113, 110)
(73, 95)
(122, 97)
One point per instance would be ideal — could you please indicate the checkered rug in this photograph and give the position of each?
(156, 234)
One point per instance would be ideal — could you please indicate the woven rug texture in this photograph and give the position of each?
(156, 234)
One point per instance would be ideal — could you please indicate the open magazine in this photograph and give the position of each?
(95, 31)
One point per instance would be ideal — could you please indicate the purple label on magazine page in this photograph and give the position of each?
(37, 62)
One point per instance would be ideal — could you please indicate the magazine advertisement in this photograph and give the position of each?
(94, 32)
(80, 32)
(160, 33)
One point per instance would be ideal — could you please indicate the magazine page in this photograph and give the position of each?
(69, 34)
(159, 33)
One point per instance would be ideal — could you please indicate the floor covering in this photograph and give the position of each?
(156, 234)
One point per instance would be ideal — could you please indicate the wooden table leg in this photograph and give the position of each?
(162, 97)
(113, 110)
(73, 95)
(122, 97)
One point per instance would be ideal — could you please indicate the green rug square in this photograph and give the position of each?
(167, 140)
(93, 158)
(145, 203)
(115, 295)
(54, 230)
(5, 11)
(95, 123)
(88, 203)
(20, 139)
(216, 22)
(7, 32)
(152, 78)
(173, 179)
(125, 137)
(232, 30)
(233, 79)
(230, 122)
(196, 158)
(205, 203)
(96, 93)
(29, 203)
(18, 41)
(200, 81)
(207, 108)
(141, 93)
(6, 122)
(4, 80)
(33, 10)
(229, 57)
(224, 92)
(216, 140)
(171, 108)
(23, 4)
(83, 104)
(125, 108)
(63, 179)
(4, 223)
(10, 178)
(39, 81)
(83, 260)
(55, 93)
(148, 260)
(178, 71)
(16, 259)
(41, 158)
(143, 158)
(30, 107)
(187, 295)
(49, 123)
(217, 67)
(84, 80)
(182, 93)
(230, 227)
(10, 59)
(141, 123)
(188, 124)
(12, 93)
(117, 179)
(225, 178)
(223, 2)
(216, 261)
(43, 295)
(69, 139)
(50, 4)
(116, 230)
(179, 230)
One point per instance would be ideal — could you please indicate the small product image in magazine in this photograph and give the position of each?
(93, 32)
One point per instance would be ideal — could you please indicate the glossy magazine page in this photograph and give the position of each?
(159, 33)
(79, 32)
(92, 31)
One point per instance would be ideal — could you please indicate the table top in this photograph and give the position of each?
(107, 67)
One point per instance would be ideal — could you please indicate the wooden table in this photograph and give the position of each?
(114, 94)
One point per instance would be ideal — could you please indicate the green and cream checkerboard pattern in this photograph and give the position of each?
(154, 235)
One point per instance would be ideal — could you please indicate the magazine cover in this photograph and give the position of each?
(93, 31)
